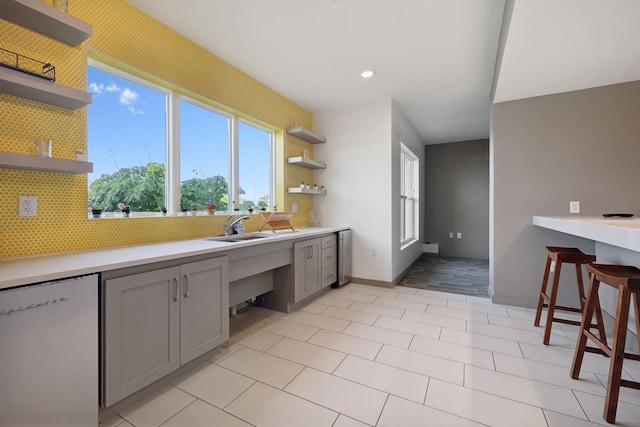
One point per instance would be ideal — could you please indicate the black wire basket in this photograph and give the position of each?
(24, 64)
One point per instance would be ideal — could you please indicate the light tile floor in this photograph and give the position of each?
(366, 356)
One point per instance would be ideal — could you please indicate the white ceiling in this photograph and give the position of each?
(434, 58)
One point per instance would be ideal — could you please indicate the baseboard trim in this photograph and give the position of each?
(379, 283)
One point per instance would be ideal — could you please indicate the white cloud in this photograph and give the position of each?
(128, 97)
(135, 111)
(112, 88)
(100, 88)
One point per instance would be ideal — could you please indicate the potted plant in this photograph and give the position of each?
(81, 155)
(210, 207)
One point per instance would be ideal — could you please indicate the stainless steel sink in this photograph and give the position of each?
(238, 238)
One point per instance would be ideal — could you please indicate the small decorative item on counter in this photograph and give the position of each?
(194, 211)
(124, 209)
(315, 186)
(43, 147)
(62, 5)
(210, 208)
(95, 213)
(301, 184)
(81, 155)
(306, 186)
(250, 209)
(322, 187)
(164, 210)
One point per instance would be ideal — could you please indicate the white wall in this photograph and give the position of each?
(363, 184)
(359, 180)
(402, 132)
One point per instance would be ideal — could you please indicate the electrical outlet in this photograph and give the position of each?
(374, 252)
(574, 207)
(459, 236)
(451, 235)
(27, 206)
(294, 207)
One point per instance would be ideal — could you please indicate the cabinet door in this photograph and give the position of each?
(141, 331)
(313, 267)
(204, 301)
(306, 268)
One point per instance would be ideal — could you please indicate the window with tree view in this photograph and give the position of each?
(136, 158)
(127, 125)
(204, 157)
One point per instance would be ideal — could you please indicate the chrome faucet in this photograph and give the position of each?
(237, 219)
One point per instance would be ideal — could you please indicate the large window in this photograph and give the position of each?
(204, 157)
(409, 201)
(154, 148)
(254, 174)
(127, 133)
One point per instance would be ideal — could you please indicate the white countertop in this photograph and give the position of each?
(23, 271)
(622, 232)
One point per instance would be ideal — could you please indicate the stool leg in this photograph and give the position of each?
(598, 310)
(636, 304)
(552, 303)
(543, 291)
(617, 355)
(600, 322)
(587, 315)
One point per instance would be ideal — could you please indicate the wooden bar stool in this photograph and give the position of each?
(560, 255)
(627, 280)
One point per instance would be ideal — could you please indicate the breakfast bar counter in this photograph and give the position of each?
(620, 232)
(617, 241)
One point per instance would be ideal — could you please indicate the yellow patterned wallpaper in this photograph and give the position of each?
(129, 37)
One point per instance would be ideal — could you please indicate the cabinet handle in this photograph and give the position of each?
(186, 286)
(175, 279)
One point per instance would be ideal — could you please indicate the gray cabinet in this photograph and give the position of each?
(306, 268)
(156, 321)
(204, 315)
(329, 272)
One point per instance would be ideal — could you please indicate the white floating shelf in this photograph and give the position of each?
(19, 84)
(46, 20)
(299, 190)
(44, 164)
(306, 163)
(306, 135)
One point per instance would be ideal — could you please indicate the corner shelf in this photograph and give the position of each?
(298, 190)
(306, 135)
(44, 164)
(46, 20)
(306, 163)
(25, 86)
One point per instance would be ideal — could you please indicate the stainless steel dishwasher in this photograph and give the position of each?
(344, 257)
(49, 354)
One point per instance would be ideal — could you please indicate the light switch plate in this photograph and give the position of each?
(574, 207)
(27, 206)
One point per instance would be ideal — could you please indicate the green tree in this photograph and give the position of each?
(196, 192)
(142, 188)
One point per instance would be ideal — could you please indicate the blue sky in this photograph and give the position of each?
(126, 127)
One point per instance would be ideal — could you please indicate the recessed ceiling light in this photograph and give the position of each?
(367, 74)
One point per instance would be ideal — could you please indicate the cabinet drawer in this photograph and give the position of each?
(329, 275)
(329, 241)
(328, 257)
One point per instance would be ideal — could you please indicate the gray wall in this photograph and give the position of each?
(457, 198)
(545, 152)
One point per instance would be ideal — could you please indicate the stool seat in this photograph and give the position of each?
(569, 255)
(556, 256)
(627, 281)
